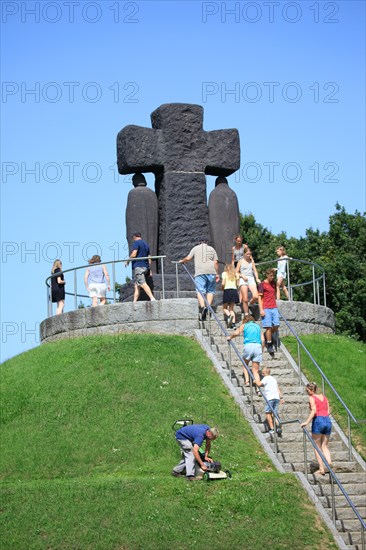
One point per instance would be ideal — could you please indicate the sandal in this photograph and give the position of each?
(247, 384)
(319, 473)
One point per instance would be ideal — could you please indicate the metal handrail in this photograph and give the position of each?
(324, 379)
(334, 478)
(75, 269)
(312, 281)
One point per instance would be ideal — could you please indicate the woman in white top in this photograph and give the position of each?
(248, 278)
(237, 251)
(94, 279)
(282, 272)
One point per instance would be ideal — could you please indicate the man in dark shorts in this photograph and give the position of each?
(140, 249)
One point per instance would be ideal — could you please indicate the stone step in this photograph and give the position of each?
(297, 437)
(294, 446)
(275, 364)
(358, 501)
(347, 478)
(276, 370)
(342, 456)
(349, 525)
(289, 400)
(323, 488)
(352, 540)
(284, 379)
(348, 513)
(290, 393)
(283, 375)
(338, 467)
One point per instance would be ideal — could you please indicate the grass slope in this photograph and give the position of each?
(87, 448)
(342, 359)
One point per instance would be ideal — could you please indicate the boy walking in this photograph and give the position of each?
(272, 393)
(268, 309)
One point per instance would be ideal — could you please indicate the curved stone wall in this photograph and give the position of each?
(175, 316)
(306, 318)
(178, 316)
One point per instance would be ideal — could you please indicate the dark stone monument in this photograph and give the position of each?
(142, 214)
(224, 218)
(179, 152)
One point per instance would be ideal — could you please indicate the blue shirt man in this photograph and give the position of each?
(143, 250)
(140, 249)
(190, 439)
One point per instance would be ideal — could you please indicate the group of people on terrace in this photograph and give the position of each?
(238, 281)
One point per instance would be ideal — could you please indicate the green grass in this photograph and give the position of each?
(343, 360)
(87, 448)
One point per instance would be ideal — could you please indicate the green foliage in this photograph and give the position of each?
(341, 252)
(88, 446)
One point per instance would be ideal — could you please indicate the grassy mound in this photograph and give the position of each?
(88, 446)
(342, 359)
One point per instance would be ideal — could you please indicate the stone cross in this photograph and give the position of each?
(179, 152)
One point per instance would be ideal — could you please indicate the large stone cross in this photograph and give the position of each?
(179, 152)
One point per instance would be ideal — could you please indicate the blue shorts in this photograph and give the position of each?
(275, 403)
(271, 318)
(321, 425)
(253, 352)
(206, 284)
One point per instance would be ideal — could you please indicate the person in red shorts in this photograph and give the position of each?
(268, 308)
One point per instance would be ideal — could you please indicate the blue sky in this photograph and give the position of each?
(288, 75)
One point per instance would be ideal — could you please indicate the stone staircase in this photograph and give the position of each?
(290, 454)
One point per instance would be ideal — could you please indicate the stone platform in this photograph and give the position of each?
(306, 318)
(170, 316)
(176, 316)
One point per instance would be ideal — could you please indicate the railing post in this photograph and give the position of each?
(49, 301)
(324, 291)
(75, 290)
(349, 437)
(162, 279)
(229, 357)
(177, 279)
(299, 362)
(318, 292)
(362, 537)
(305, 454)
(289, 281)
(251, 398)
(275, 436)
(314, 286)
(333, 499)
(114, 281)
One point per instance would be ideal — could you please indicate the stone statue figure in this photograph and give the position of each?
(142, 214)
(224, 218)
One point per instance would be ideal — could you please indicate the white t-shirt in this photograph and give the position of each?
(270, 387)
